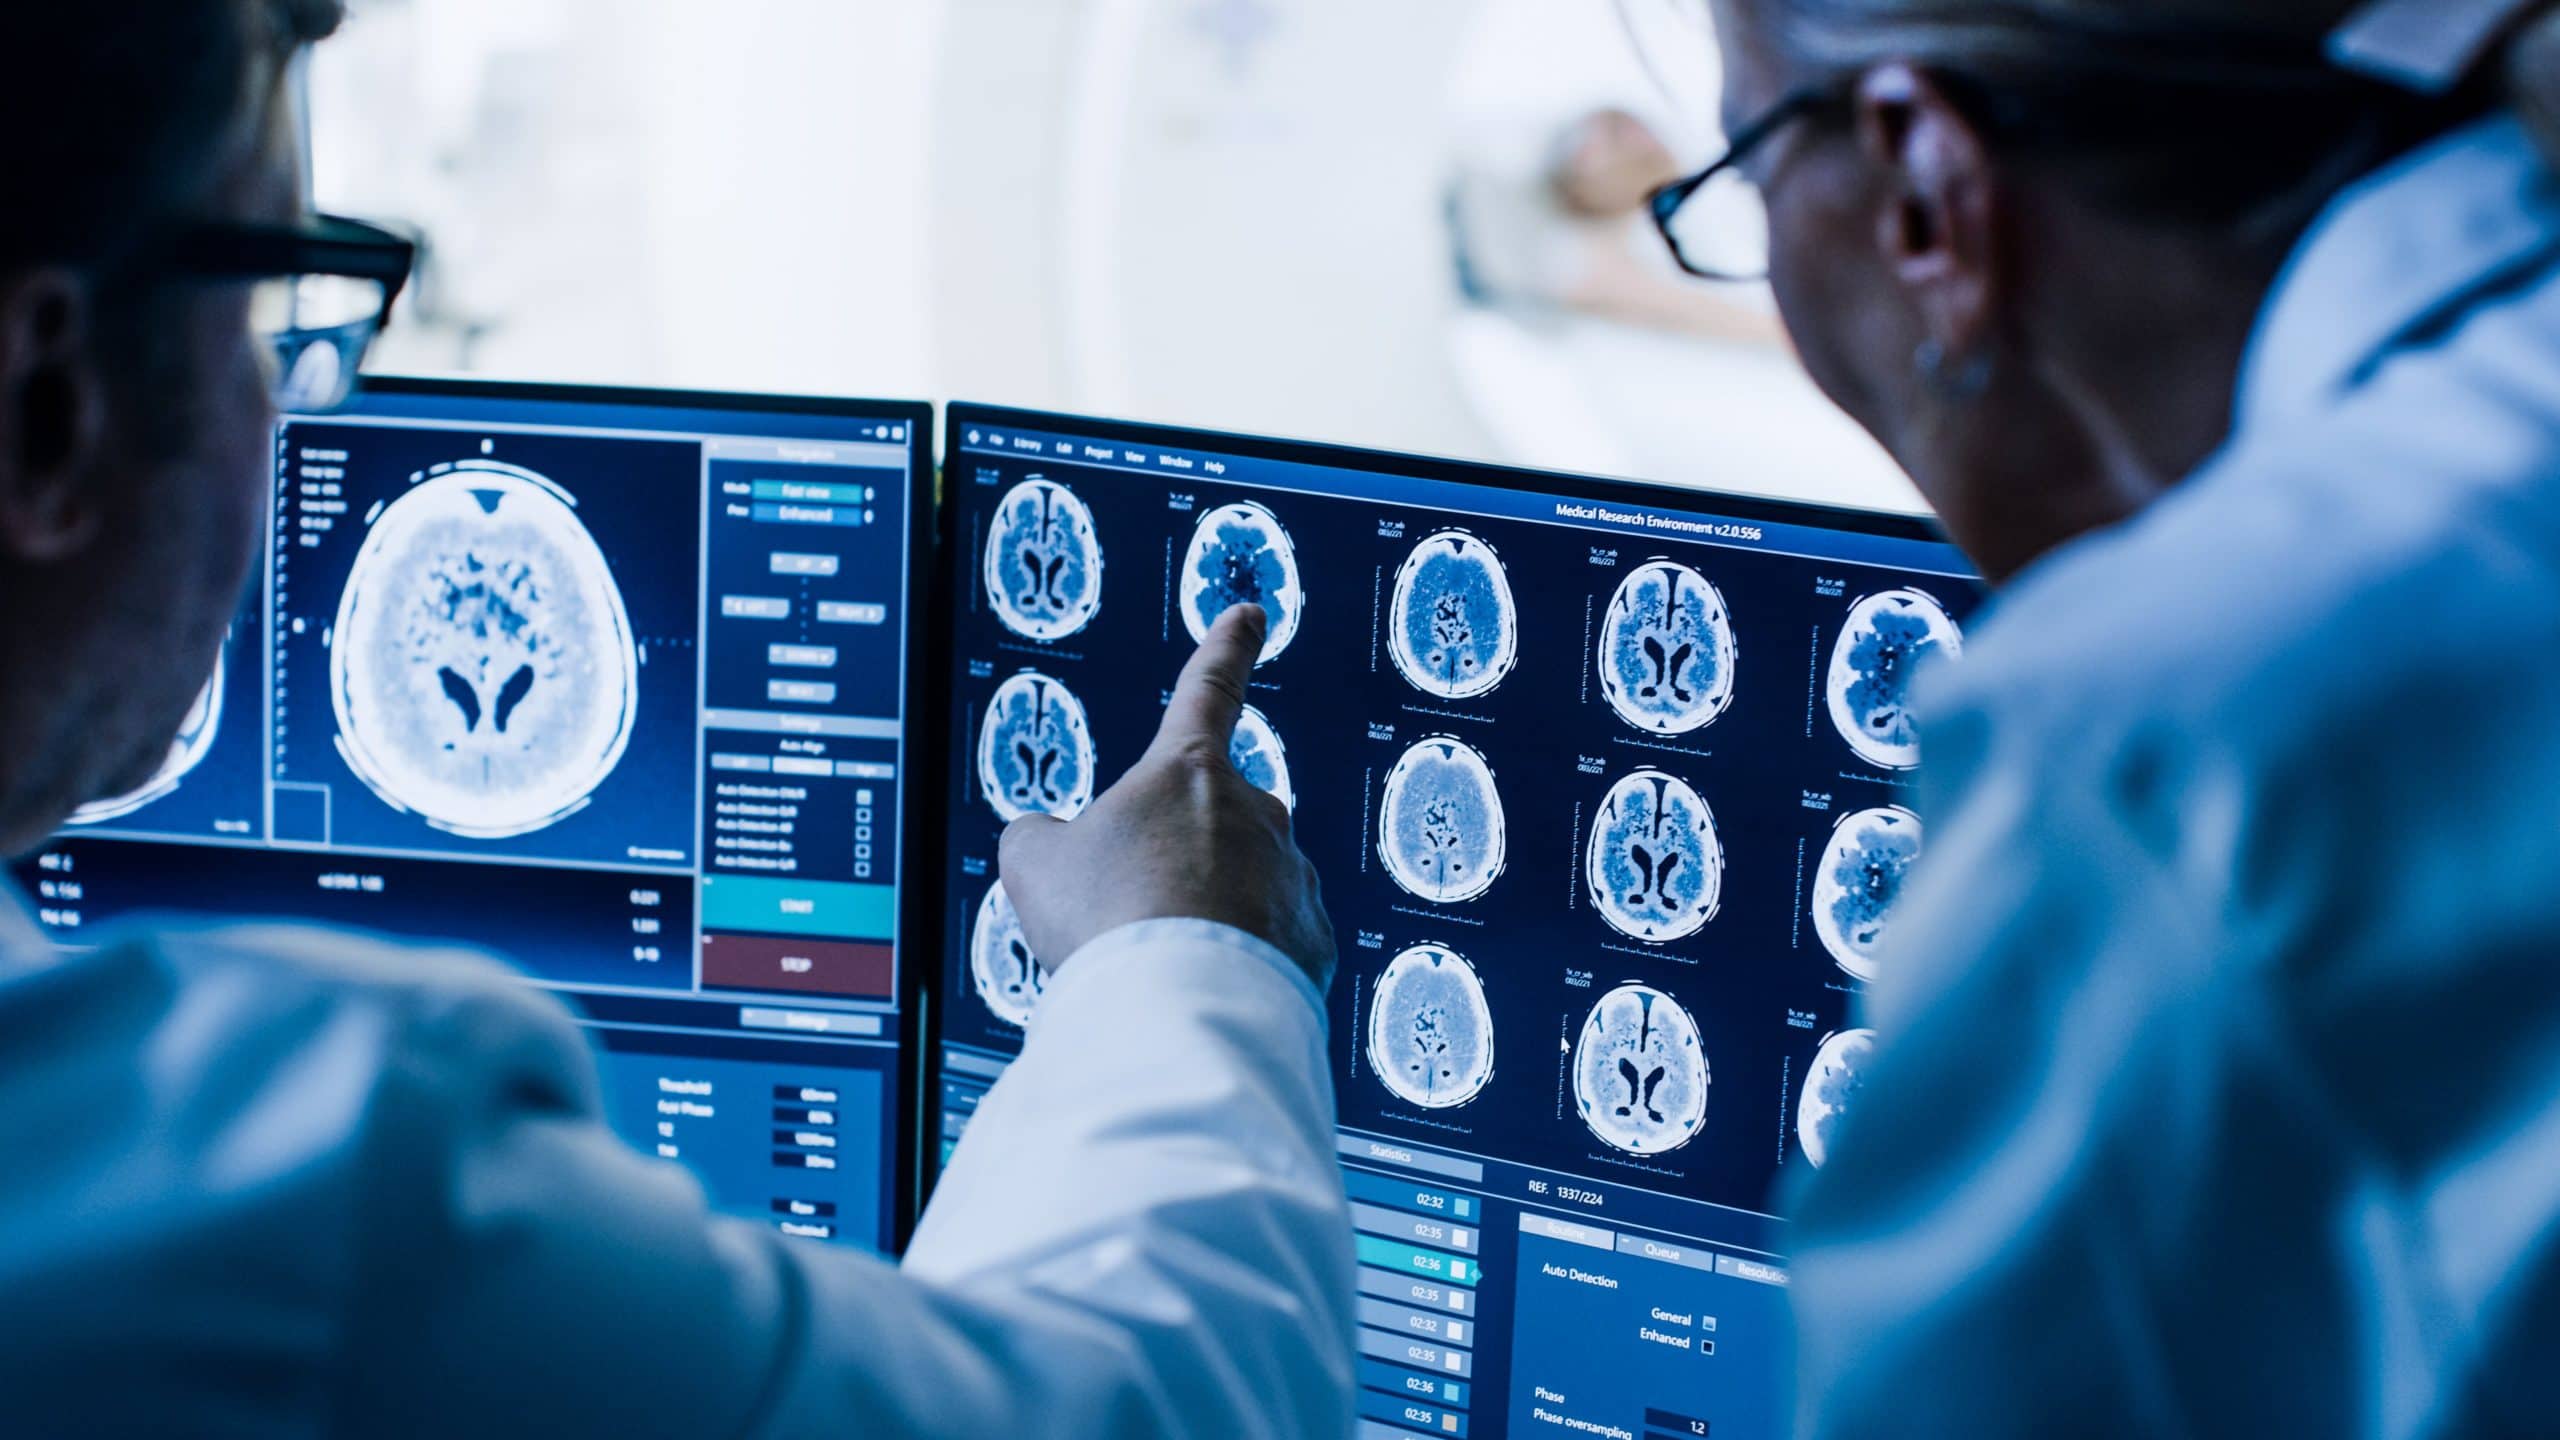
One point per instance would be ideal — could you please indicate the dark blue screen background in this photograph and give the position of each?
(1774, 770)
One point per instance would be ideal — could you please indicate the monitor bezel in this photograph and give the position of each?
(920, 834)
(959, 415)
(1483, 474)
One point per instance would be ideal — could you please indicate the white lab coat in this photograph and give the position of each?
(2220, 1087)
(294, 1182)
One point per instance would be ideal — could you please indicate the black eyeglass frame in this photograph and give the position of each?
(1666, 202)
(320, 245)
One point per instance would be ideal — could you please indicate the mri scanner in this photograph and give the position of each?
(1247, 203)
(1230, 213)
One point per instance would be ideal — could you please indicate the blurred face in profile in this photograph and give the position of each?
(166, 470)
(1897, 269)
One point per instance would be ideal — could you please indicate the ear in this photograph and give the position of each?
(52, 415)
(1939, 230)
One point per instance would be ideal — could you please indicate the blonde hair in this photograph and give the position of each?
(2224, 112)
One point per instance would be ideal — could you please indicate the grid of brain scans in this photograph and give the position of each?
(1610, 789)
(613, 686)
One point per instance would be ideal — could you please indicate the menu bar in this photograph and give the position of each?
(1698, 526)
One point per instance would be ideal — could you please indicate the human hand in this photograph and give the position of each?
(1181, 835)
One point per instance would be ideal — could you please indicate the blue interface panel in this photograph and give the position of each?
(1609, 787)
(612, 686)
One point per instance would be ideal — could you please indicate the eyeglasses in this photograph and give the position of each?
(1716, 221)
(323, 292)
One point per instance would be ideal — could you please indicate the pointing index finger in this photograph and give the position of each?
(1210, 695)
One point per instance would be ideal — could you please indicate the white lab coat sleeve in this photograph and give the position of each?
(1144, 1226)
(1143, 1236)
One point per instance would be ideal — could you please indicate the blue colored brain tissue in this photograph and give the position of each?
(1035, 750)
(1043, 567)
(1260, 758)
(1442, 835)
(1655, 868)
(1887, 640)
(482, 666)
(1863, 871)
(1667, 651)
(1640, 1074)
(1454, 626)
(1001, 966)
(1831, 1089)
(1430, 1029)
(1240, 555)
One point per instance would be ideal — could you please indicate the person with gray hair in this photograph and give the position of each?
(2220, 1071)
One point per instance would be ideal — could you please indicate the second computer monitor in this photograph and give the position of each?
(1610, 791)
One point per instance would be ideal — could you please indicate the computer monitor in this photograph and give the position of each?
(614, 685)
(1609, 787)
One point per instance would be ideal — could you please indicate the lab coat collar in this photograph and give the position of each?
(2401, 250)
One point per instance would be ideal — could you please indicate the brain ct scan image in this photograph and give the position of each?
(1454, 630)
(1440, 827)
(194, 741)
(1035, 752)
(1886, 639)
(1043, 562)
(1861, 876)
(1655, 868)
(1000, 962)
(1430, 1031)
(1259, 757)
(1640, 1073)
(1830, 1088)
(482, 665)
(1667, 651)
(1239, 556)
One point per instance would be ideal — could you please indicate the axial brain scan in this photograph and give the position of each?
(1430, 1031)
(1241, 556)
(1666, 651)
(1640, 1073)
(186, 752)
(1259, 757)
(1830, 1088)
(1043, 562)
(1861, 877)
(1440, 829)
(482, 664)
(1000, 962)
(1035, 752)
(1885, 641)
(1655, 867)
(1454, 630)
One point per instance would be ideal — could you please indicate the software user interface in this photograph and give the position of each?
(1611, 801)
(613, 691)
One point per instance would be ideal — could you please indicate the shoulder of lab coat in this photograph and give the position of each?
(2209, 1017)
(325, 1183)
